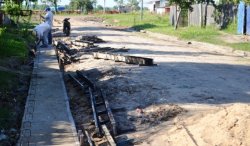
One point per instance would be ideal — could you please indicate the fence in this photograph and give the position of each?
(204, 15)
(243, 26)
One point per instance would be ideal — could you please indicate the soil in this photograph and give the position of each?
(235, 38)
(13, 99)
(198, 94)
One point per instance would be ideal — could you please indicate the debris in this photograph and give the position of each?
(93, 39)
(161, 114)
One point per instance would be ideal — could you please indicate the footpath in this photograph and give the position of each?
(47, 118)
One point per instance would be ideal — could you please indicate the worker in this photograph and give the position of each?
(49, 19)
(41, 32)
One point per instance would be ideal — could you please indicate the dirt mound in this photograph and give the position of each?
(160, 114)
(228, 126)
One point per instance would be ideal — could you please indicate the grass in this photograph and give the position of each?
(161, 24)
(231, 28)
(241, 46)
(12, 44)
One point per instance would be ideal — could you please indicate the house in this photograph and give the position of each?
(159, 6)
(59, 8)
(124, 9)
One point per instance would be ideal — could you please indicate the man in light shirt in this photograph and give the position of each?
(49, 19)
(42, 31)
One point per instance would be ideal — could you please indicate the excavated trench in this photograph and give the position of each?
(75, 51)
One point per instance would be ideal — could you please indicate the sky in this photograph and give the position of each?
(109, 3)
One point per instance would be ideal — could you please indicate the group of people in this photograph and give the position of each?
(43, 30)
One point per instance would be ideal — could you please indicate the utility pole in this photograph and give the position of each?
(141, 9)
(104, 6)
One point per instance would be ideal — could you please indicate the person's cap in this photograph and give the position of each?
(47, 9)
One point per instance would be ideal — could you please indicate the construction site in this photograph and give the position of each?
(133, 88)
(105, 85)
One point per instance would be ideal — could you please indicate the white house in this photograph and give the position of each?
(158, 6)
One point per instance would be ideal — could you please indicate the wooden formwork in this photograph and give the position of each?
(124, 58)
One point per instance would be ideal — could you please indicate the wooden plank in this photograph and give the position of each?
(124, 58)
(108, 136)
(110, 114)
(82, 44)
(96, 119)
(88, 138)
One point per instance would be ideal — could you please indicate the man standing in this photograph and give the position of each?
(49, 19)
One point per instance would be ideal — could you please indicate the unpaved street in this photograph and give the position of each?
(198, 94)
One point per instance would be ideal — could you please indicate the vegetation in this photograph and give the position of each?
(161, 24)
(83, 5)
(13, 54)
(12, 44)
(15, 41)
(134, 4)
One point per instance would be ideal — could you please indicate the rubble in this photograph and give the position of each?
(92, 39)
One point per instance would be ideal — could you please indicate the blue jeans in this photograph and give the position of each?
(50, 37)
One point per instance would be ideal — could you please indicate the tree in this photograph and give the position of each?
(55, 3)
(83, 5)
(182, 5)
(119, 4)
(134, 4)
(94, 2)
(99, 7)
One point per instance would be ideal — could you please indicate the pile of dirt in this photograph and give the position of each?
(224, 127)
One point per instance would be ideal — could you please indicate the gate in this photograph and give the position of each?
(241, 18)
(248, 21)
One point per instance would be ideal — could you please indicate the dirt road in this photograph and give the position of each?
(198, 94)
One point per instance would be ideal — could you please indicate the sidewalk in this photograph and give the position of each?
(47, 119)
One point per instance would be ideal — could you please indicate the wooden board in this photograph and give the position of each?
(124, 58)
(110, 114)
(108, 136)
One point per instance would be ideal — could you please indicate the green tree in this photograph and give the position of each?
(119, 3)
(84, 5)
(54, 3)
(99, 7)
(134, 4)
(182, 5)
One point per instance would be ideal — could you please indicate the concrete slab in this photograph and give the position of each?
(49, 118)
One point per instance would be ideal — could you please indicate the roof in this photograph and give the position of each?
(152, 1)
